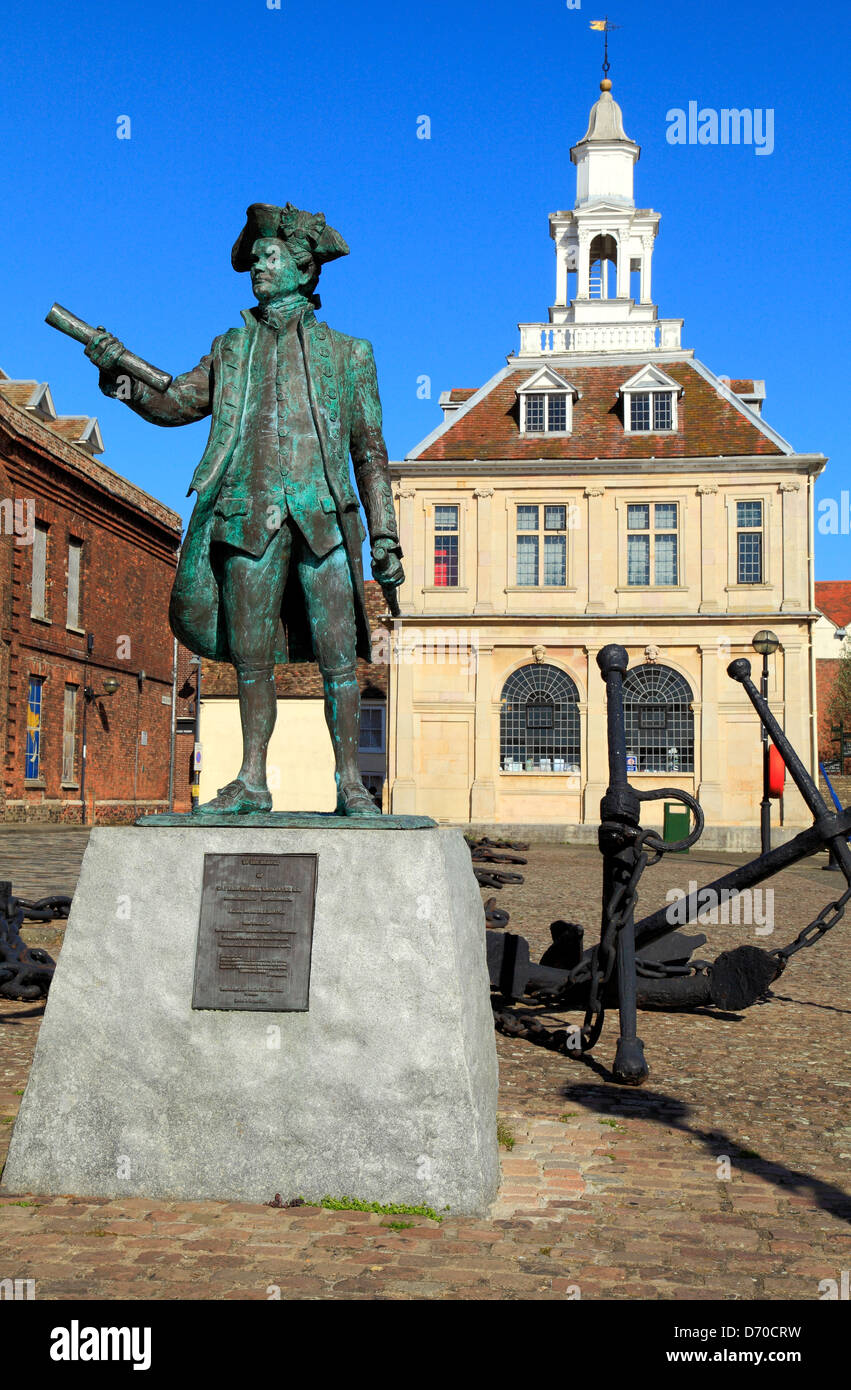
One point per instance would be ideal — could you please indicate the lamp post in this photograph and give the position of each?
(765, 643)
(196, 752)
(110, 685)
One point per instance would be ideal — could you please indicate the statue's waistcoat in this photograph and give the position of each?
(276, 470)
(195, 610)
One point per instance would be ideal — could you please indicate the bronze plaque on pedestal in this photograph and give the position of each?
(255, 933)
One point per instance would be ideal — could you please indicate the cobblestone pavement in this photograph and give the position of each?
(607, 1193)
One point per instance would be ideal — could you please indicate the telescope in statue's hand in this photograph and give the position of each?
(128, 362)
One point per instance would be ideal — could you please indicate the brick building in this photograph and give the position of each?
(87, 561)
(833, 600)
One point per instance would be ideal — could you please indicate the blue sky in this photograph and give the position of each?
(236, 103)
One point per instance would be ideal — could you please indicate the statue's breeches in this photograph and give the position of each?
(252, 592)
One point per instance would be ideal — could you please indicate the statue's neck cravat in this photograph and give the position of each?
(285, 310)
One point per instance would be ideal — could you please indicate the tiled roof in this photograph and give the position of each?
(462, 393)
(833, 598)
(302, 681)
(709, 424)
(73, 427)
(18, 392)
(42, 441)
(743, 385)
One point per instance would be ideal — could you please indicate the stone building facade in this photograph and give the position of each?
(86, 566)
(603, 486)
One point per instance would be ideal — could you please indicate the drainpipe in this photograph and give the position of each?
(811, 622)
(173, 729)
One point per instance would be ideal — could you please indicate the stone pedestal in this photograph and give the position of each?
(384, 1089)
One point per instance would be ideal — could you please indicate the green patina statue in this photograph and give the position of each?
(270, 570)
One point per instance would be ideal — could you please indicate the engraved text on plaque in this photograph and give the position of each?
(255, 932)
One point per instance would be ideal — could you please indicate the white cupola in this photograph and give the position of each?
(605, 156)
(604, 252)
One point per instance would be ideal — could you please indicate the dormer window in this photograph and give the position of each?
(546, 403)
(650, 402)
(651, 410)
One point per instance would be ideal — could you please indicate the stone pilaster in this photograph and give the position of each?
(483, 790)
(596, 741)
(484, 554)
(405, 496)
(596, 551)
(403, 789)
(794, 548)
(711, 582)
(710, 792)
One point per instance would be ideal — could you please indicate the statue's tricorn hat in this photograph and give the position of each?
(288, 224)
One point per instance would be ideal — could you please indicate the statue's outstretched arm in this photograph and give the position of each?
(188, 398)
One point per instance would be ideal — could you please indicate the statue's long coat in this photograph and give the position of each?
(347, 414)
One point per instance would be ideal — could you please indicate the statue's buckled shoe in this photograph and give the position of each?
(353, 799)
(237, 799)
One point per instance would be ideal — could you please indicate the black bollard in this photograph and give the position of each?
(619, 827)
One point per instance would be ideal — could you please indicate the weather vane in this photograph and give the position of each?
(606, 28)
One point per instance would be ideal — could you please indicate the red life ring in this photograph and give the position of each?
(776, 772)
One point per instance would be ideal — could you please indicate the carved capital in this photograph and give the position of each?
(594, 491)
(707, 488)
(405, 492)
(483, 492)
(790, 486)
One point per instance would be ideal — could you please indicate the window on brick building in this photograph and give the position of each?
(749, 543)
(446, 547)
(38, 607)
(69, 736)
(32, 766)
(75, 551)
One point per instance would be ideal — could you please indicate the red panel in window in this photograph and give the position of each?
(445, 562)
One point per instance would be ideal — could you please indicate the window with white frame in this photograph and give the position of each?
(446, 536)
(541, 545)
(546, 403)
(651, 410)
(650, 402)
(38, 605)
(749, 543)
(545, 412)
(75, 551)
(652, 543)
(69, 735)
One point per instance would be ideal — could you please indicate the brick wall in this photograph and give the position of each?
(129, 544)
(826, 673)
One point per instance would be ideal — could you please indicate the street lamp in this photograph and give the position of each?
(765, 643)
(194, 788)
(110, 685)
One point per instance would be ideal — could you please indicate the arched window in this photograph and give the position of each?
(539, 721)
(603, 253)
(659, 721)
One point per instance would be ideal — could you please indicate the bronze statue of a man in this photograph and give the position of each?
(270, 570)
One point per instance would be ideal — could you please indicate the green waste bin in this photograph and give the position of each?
(677, 823)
